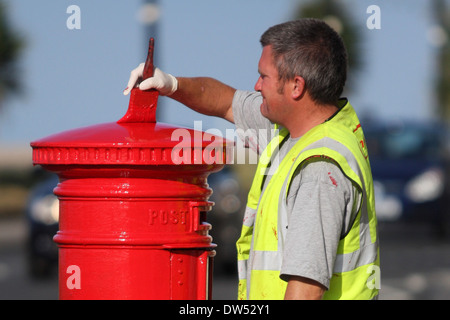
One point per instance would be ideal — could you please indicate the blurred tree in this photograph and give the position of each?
(439, 35)
(11, 46)
(336, 15)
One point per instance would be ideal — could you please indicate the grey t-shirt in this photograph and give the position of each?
(322, 203)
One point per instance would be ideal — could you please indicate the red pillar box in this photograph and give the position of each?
(133, 200)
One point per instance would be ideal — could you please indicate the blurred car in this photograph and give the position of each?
(42, 214)
(410, 171)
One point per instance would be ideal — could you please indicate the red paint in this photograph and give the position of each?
(132, 222)
(333, 180)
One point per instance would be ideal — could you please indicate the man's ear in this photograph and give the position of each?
(298, 87)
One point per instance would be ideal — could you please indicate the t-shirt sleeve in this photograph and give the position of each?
(322, 203)
(252, 128)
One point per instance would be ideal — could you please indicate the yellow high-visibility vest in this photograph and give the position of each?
(260, 247)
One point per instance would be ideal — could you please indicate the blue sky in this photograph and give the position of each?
(75, 78)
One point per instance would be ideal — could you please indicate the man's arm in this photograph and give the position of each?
(300, 288)
(206, 95)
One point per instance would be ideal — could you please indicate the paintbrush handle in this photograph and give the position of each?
(148, 67)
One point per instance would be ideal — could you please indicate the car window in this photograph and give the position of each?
(401, 143)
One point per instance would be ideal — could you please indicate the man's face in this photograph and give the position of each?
(274, 105)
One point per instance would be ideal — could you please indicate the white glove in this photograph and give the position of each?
(165, 83)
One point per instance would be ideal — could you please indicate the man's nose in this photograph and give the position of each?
(258, 84)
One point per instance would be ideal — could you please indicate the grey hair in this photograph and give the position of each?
(309, 48)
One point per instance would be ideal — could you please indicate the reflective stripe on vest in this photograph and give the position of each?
(259, 269)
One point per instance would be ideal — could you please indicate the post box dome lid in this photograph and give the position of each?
(131, 141)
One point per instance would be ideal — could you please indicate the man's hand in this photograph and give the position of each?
(165, 83)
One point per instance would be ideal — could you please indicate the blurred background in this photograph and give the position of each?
(64, 65)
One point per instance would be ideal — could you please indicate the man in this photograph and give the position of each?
(310, 230)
